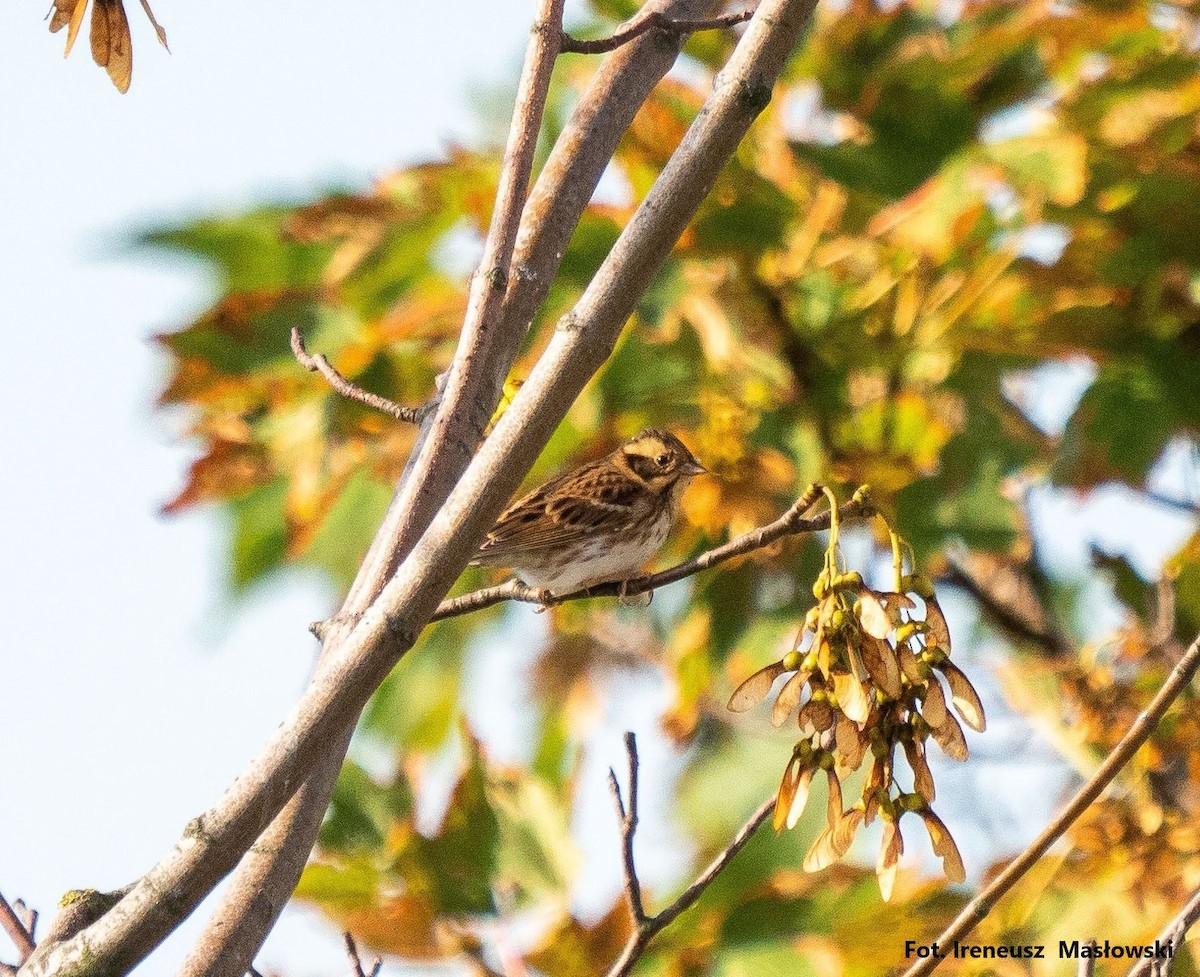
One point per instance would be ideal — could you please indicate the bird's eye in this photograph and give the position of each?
(661, 461)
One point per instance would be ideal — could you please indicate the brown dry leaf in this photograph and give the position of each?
(909, 664)
(571, 947)
(852, 696)
(406, 924)
(787, 791)
(788, 698)
(815, 716)
(820, 644)
(833, 806)
(935, 620)
(876, 776)
(933, 708)
(882, 666)
(943, 845)
(822, 853)
(68, 12)
(799, 798)
(756, 688)
(965, 698)
(891, 847)
(851, 744)
(112, 45)
(843, 834)
(950, 738)
(914, 750)
(872, 615)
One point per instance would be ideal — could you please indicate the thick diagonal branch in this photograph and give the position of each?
(268, 872)
(213, 843)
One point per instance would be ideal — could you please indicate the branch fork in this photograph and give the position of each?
(645, 926)
(318, 363)
(654, 20)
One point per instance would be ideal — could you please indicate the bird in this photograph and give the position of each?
(598, 523)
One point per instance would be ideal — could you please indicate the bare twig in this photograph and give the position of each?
(1172, 936)
(213, 843)
(629, 820)
(791, 523)
(17, 931)
(654, 20)
(1014, 609)
(1145, 724)
(319, 364)
(28, 916)
(1190, 506)
(356, 961)
(645, 927)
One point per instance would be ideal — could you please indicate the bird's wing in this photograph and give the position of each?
(562, 511)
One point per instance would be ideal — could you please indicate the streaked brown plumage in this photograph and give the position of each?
(598, 523)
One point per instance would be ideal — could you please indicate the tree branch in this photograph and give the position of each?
(1174, 933)
(1145, 724)
(212, 843)
(17, 931)
(356, 960)
(629, 820)
(1012, 613)
(647, 927)
(319, 364)
(269, 874)
(791, 523)
(654, 20)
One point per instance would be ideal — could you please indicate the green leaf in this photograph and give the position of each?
(1117, 431)
(346, 531)
(260, 533)
(363, 812)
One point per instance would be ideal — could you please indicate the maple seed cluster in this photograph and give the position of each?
(868, 683)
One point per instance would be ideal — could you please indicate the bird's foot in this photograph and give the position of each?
(626, 599)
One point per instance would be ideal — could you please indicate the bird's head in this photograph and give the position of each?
(660, 460)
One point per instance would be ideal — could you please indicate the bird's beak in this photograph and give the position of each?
(694, 467)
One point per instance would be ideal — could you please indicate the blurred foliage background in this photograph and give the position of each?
(951, 215)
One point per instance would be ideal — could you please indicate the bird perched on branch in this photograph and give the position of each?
(600, 522)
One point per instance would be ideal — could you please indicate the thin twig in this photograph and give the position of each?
(319, 364)
(1173, 936)
(16, 930)
(629, 820)
(1011, 616)
(791, 523)
(1145, 724)
(645, 928)
(1190, 506)
(28, 916)
(356, 960)
(651, 21)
